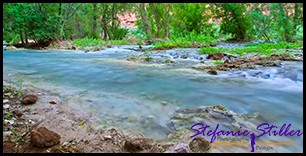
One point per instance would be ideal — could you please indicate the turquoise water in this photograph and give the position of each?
(141, 97)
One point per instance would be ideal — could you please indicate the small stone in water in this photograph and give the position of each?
(164, 102)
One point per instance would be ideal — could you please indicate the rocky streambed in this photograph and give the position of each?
(154, 98)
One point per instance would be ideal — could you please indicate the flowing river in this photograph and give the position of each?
(142, 96)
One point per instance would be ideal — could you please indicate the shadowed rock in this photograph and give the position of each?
(217, 56)
(199, 144)
(17, 113)
(138, 144)
(212, 72)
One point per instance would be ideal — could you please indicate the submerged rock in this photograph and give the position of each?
(42, 137)
(29, 99)
(208, 114)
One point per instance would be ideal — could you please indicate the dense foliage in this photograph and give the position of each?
(177, 23)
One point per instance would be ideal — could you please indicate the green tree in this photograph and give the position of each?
(235, 19)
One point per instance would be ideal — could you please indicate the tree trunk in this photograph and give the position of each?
(60, 9)
(295, 18)
(94, 28)
(242, 35)
(145, 22)
(167, 21)
(105, 29)
(21, 37)
(26, 37)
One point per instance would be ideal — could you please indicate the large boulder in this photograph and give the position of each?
(11, 48)
(42, 137)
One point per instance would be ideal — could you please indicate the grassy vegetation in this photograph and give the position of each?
(89, 42)
(217, 62)
(265, 49)
(187, 41)
(280, 45)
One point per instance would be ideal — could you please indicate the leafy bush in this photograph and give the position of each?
(138, 33)
(299, 32)
(118, 33)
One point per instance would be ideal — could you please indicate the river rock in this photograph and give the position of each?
(29, 99)
(11, 48)
(73, 47)
(42, 137)
(138, 144)
(199, 145)
(212, 72)
(6, 106)
(164, 103)
(52, 102)
(184, 56)
(17, 113)
(5, 101)
(109, 45)
(86, 50)
(180, 148)
(217, 56)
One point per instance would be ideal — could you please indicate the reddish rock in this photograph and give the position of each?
(17, 113)
(42, 137)
(199, 144)
(29, 99)
(216, 56)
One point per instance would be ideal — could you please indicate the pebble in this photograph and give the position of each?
(164, 103)
(7, 94)
(5, 101)
(65, 143)
(11, 122)
(107, 137)
(52, 102)
(17, 113)
(6, 106)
